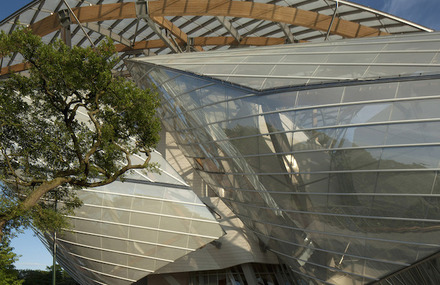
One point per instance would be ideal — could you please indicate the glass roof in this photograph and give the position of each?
(215, 30)
(312, 63)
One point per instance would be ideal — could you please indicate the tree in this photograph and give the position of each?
(68, 123)
(43, 277)
(8, 273)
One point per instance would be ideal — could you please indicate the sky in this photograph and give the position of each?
(424, 12)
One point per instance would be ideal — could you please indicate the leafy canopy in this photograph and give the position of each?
(8, 273)
(68, 122)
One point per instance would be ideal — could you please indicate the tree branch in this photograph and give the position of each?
(115, 175)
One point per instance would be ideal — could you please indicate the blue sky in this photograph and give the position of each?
(423, 12)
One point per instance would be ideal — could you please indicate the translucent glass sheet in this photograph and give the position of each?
(340, 181)
(305, 64)
(127, 230)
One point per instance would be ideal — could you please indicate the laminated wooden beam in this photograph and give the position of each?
(221, 8)
(261, 11)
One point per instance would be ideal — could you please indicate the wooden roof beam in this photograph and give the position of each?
(268, 12)
(222, 8)
(204, 41)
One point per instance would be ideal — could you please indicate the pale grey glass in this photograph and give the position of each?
(324, 175)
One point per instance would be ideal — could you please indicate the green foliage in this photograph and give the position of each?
(8, 273)
(68, 123)
(44, 277)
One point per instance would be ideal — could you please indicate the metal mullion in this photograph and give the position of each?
(299, 52)
(233, 189)
(151, 213)
(323, 150)
(278, 76)
(366, 64)
(142, 227)
(334, 214)
(109, 263)
(294, 109)
(128, 239)
(338, 234)
(303, 108)
(105, 274)
(387, 170)
(187, 92)
(113, 251)
(146, 197)
(344, 126)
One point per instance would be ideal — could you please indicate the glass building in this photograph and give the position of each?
(328, 152)
(301, 144)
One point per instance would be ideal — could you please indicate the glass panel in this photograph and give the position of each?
(370, 92)
(359, 114)
(320, 96)
(356, 159)
(406, 57)
(413, 133)
(410, 158)
(405, 182)
(420, 109)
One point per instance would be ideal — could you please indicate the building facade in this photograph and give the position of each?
(328, 152)
(291, 153)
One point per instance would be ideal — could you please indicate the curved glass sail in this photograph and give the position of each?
(127, 230)
(338, 177)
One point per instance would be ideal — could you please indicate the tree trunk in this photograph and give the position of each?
(33, 198)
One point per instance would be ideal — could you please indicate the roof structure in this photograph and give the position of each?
(273, 67)
(163, 27)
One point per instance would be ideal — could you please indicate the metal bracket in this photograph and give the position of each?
(141, 9)
(142, 13)
(64, 16)
(189, 44)
(65, 22)
(333, 18)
